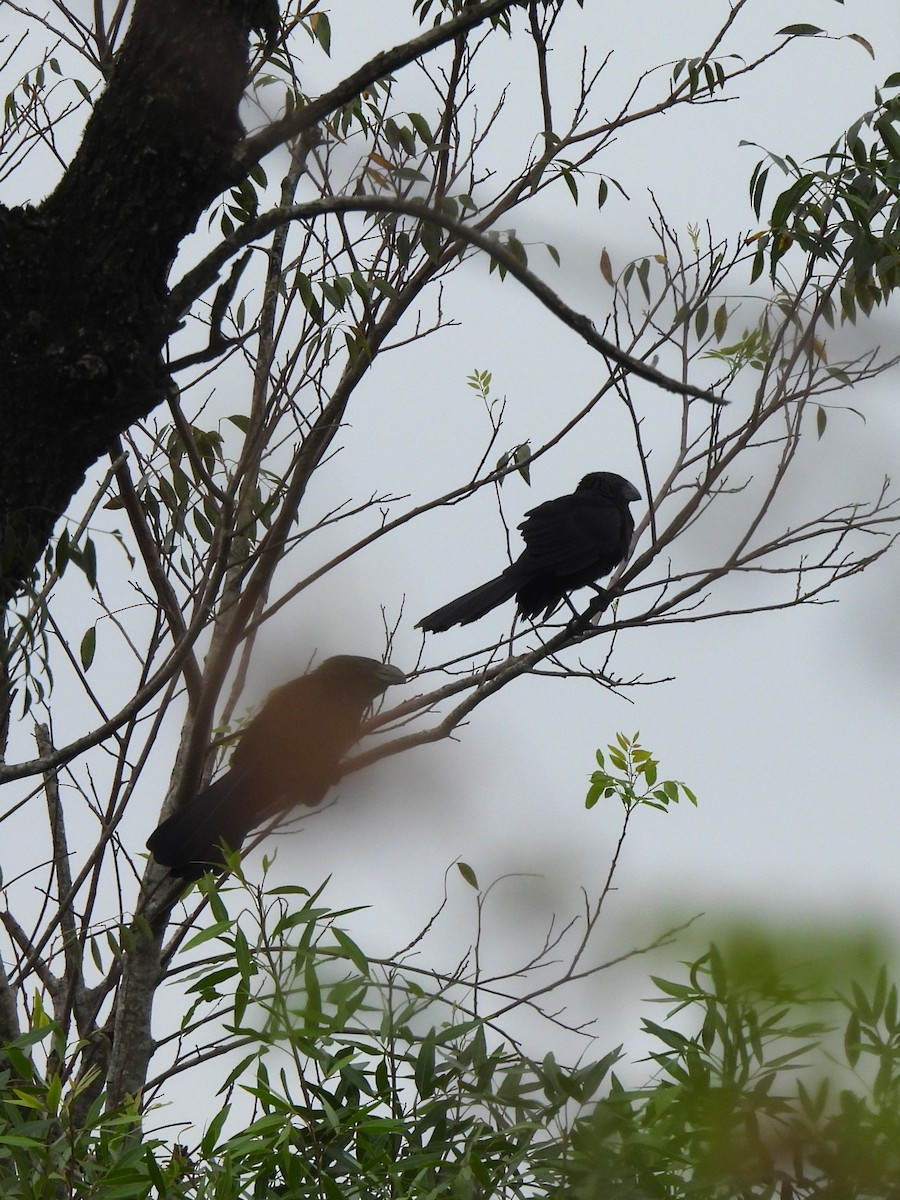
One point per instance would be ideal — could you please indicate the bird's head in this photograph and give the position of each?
(358, 672)
(616, 487)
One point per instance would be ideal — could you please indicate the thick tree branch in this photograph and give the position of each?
(206, 273)
(252, 149)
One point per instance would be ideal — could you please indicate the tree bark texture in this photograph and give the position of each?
(83, 276)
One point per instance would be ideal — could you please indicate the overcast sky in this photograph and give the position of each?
(784, 725)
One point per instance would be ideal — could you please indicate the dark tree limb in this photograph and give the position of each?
(83, 276)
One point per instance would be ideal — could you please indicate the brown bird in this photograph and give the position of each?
(289, 754)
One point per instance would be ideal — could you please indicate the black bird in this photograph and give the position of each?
(569, 542)
(289, 754)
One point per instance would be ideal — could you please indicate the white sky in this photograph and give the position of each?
(784, 725)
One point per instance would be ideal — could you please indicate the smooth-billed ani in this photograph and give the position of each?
(569, 542)
(288, 755)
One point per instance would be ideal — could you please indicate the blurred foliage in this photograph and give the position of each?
(749, 1098)
(388, 1087)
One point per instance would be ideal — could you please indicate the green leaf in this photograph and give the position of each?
(241, 1001)
(679, 991)
(409, 175)
(307, 298)
(799, 30)
(385, 287)
(351, 950)
(889, 135)
(669, 1037)
(861, 41)
(424, 1073)
(468, 874)
(878, 1000)
(701, 321)
(643, 271)
(210, 1139)
(758, 187)
(208, 934)
(852, 1045)
(431, 238)
(517, 250)
(788, 200)
(821, 420)
(521, 456)
(89, 562)
(88, 646)
(759, 262)
(421, 127)
(321, 28)
(312, 1010)
(62, 555)
(720, 322)
(203, 527)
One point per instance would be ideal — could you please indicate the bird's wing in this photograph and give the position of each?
(575, 533)
(290, 749)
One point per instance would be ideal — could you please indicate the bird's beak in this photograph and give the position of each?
(631, 492)
(391, 675)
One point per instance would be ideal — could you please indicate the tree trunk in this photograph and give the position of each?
(83, 277)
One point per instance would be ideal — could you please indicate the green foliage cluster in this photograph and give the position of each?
(743, 1103)
(373, 1080)
(638, 780)
(845, 211)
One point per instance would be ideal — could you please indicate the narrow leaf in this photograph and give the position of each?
(606, 268)
(799, 30)
(468, 874)
(88, 646)
(867, 46)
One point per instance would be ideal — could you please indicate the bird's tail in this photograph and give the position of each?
(471, 606)
(188, 841)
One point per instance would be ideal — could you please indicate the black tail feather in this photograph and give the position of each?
(188, 842)
(470, 607)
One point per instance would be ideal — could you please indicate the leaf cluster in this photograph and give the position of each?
(637, 779)
(846, 211)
